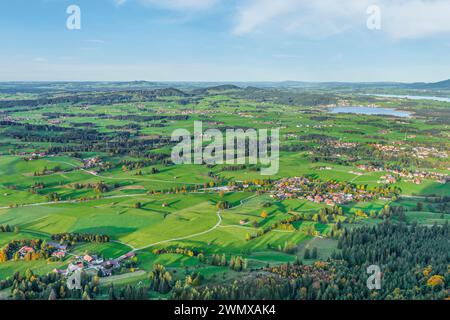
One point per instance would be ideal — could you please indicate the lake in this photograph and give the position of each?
(442, 99)
(371, 111)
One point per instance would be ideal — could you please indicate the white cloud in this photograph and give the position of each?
(180, 5)
(400, 18)
(120, 2)
(417, 18)
(257, 13)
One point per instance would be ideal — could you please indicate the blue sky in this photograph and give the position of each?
(225, 40)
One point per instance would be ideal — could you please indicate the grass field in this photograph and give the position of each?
(168, 217)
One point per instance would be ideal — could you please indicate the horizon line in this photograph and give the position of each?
(221, 81)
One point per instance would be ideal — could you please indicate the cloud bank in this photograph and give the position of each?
(400, 18)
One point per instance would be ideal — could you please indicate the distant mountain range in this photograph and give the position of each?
(441, 85)
(214, 86)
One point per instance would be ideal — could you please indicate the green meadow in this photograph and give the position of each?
(150, 204)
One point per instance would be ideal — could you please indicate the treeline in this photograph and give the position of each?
(239, 167)
(150, 160)
(77, 140)
(236, 263)
(96, 186)
(286, 97)
(97, 98)
(183, 251)
(27, 250)
(138, 118)
(8, 228)
(80, 237)
(53, 286)
(413, 261)
(121, 144)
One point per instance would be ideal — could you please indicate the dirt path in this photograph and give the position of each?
(137, 195)
(218, 224)
(185, 237)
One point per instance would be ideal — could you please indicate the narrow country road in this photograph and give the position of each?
(137, 195)
(185, 237)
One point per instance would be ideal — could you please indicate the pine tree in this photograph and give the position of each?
(112, 293)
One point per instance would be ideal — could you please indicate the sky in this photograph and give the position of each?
(226, 40)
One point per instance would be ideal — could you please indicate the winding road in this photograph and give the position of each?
(218, 224)
(134, 249)
(182, 238)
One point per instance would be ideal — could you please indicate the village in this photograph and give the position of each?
(416, 152)
(28, 250)
(97, 264)
(330, 193)
(414, 176)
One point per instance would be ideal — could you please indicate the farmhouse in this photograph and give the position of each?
(25, 250)
(88, 258)
(92, 162)
(74, 267)
(59, 254)
(126, 256)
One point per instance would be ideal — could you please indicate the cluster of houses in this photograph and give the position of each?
(387, 179)
(388, 148)
(315, 126)
(297, 187)
(330, 199)
(344, 145)
(416, 176)
(224, 188)
(61, 250)
(370, 168)
(92, 162)
(95, 263)
(417, 152)
(424, 152)
(33, 156)
(186, 112)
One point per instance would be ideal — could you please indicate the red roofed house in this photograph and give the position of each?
(24, 250)
(59, 254)
(88, 258)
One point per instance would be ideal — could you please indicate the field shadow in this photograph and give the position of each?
(280, 207)
(107, 230)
